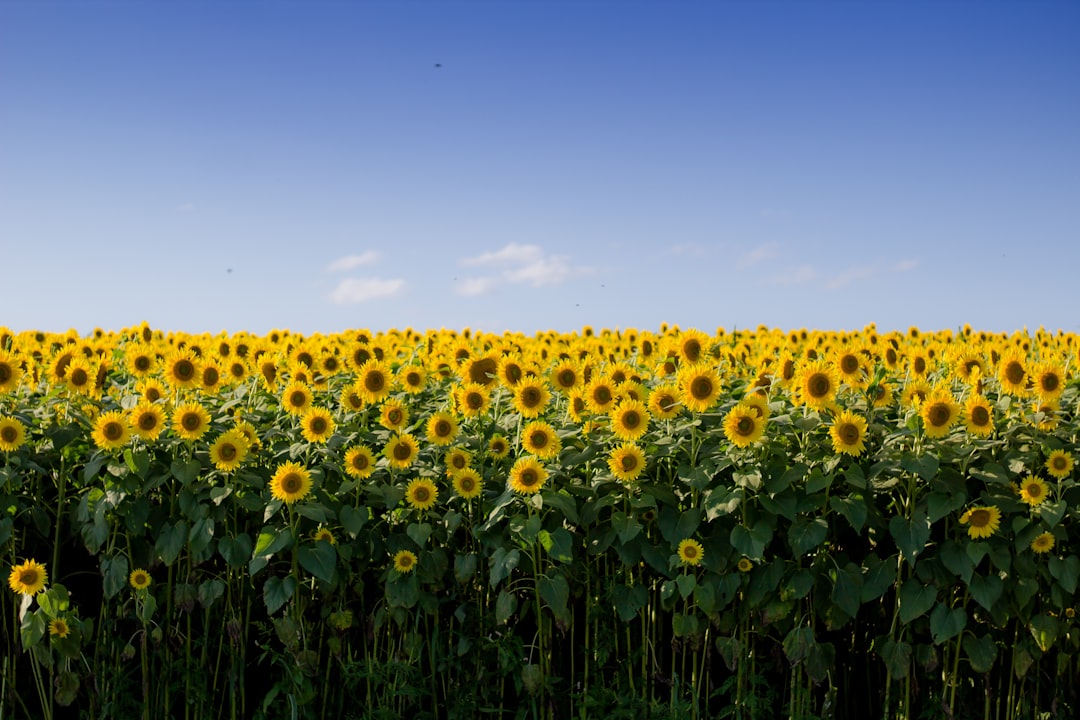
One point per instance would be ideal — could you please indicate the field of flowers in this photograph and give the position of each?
(612, 524)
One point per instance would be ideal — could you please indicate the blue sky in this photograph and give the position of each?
(525, 165)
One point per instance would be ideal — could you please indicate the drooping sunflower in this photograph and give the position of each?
(626, 462)
(421, 494)
(816, 384)
(468, 483)
(323, 534)
(699, 387)
(291, 482)
(12, 433)
(404, 561)
(139, 579)
(983, 521)
(182, 369)
(59, 628)
(600, 394)
(629, 420)
(29, 578)
(498, 447)
(317, 425)
(690, 552)
(539, 438)
(939, 412)
(228, 451)
(1048, 380)
(664, 401)
(412, 378)
(359, 462)
(1043, 543)
(374, 380)
(296, 398)
(441, 429)
(848, 433)
(527, 476)
(1033, 490)
(111, 430)
(743, 426)
(401, 450)
(10, 371)
(531, 397)
(457, 460)
(978, 416)
(1059, 464)
(191, 420)
(472, 399)
(147, 420)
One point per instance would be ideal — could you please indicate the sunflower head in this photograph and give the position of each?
(404, 561)
(401, 450)
(139, 579)
(468, 483)
(28, 578)
(59, 628)
(690, 552)
(498, 447)
(1033, 490)
(743, 426)
(1059, 464)
(527, 476)
(290, 482)
(745, 564)
(12, 433)
(441, 429)
(982, 521)
(317, 425)
(626, 462)
(359, 462)
(324, 534)
(848, 433)
(1043, 543)
(421, 494)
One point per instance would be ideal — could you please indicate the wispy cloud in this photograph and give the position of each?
(349, 262)
(905, 265)
(516, 264)
(796, 275)
(758, 255)
(357, 290)
(850, 275)
(688, 249)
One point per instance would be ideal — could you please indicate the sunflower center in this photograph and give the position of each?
(498, 447)
(227, 452)
(152, 394)
(78, 377)
(405, 561)
(631, 419)
(628, 462)
(980, 518)
(692, 350)
(474, 401)
(567, 378)
(701, 388)
(360, 462)
(147, 421)
(374, 382)
(402, 451)
(602, 394)
(849, 433)
(466, 483)
(513, 374)
(298, 398)
(413, 379)
(539, 439)
(9, 434)
(142, 363)
(113, 431)
(1014, 372)
(1050, 382)
(1059, 463)
(269, 372)
(481, 369)
(443, 429)
(1034, 490)
(530, 397)
(938, 414)
(528, 478)
(920, 365)
(849, 364)
(318, 425)
(458, 461)
(184, 370)
(210, 377)
(292, 483)
(191, 421)
(818, 385)
(689, 552)
(394, 416)
(980, 416)
(28, 576)
(421, 494)
(745, 426)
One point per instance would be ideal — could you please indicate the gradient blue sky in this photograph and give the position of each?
(209, 166)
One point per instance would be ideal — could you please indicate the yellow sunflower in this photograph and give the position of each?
(665, 402)
(111, 430)
(373, 380)
(1012, 374)
(1046, 415)
(629, 420)
(10, 371)
(228, 451)
(404, 561)
(401, 450)
(539, 438)
(139, 579)
(150, 389)
(745, 564)
(58, 627)
(498, 447)
(848, 433)
(412, 378)
(296, 398)
(456, 460)
(472, 399)
(359, 462)
(191, 420)
(690, 552)
(743, 426)
(939, 412)
(317, 425)
(324, 534)
(394, 415)
(248, 431)
(1059, 464)
(699, 387)
(566, 376)
(816, 384)
(1043, 543)
(531, 396)
(692, 346)
(80, 376)
(482, 370)
(29, 578)
(441, 429)
(1033, 490)
(527, 476)
(182, 370)
(626, 462)
(978, 416)
(984, 521)
(600, 395)
(1048, 380)
(291, 482)
(147, 420)
(12, 433)
(421, 494)
(467, 483)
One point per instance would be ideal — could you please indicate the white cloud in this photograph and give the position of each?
(358, 290)
(758, 255)
(517, 264)
(849, 276)
(353, 261)
(795, 275)
(692, 249)
(905, 265)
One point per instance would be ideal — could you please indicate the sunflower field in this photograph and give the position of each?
(610, 524)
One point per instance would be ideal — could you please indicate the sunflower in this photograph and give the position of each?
(664, 402)
(248, 431)
(58, 365)
(111, 430)
(59, 628)
(1043, 543)
(404, 561)
(12, 433)
(182, 369)
(759, 402)
(401, 450)
(10, 372)
(139, 579)
(296, 398)
(412, 378)
(816, 384)
(566, 376)
(626, 462)
(527, 476)
(984, 521)
(481, 370)
(359, 462)
(150, 389)
(290, 483)
(691, 346)
(456, 460)
(539, 438)
(1046, 414)
(80, 376)
(373, 380)
(699, 387)
(629, 420)
(510, 371)
(394, 415)
(472, 399)
(690, 552)
(743, 426)
(745, 564)
(191, 420)
(228, 451)
(349, 400)
(147, 420)
(467, 483)
(317, 425)
(600, 395)
(939, 412)
(850, 367)
(498, 447)
(237, 370)
(324, 534)
(1033, 490)
(267, 365)
(1048, 380)
(915, 393)
(1059, 464)
(441, 429)
(848, 433)
(531, 396)
(421, 494)
(1012, 375)
(28, 578)
(978, 416)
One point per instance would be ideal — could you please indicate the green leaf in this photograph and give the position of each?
(353, 519)
(939, 504)
(316, 512)
(817, 481)
(958, 562)
(686, 584)
(910, 536)
(186, 471)
(1053, 512)
(782, 481)
(402, 591)
(925, 466)
(146, 608)
(784, 504)
(558, 544)
(847, 590)
(277, 592)
(855, 477)
(502, 563)
(55, 601)
(798, 644)
(138, 462)
(420, 532)
(915, 599)
(116, 575)
(897, 658)
(806, 534)
(993, 473)
(981, 652)
(798, 585)
(555, 592)
(684, 625)
(505, 606)
(465, 567)
(629, 600)
(750, 541)
(986, 590)
(563, 502)
(1066, 572)
(319, 559)
(202, 532)
(877, 580)
(946, 623)
(626, 526)
(852, 507)
(210, 591)
(236, 551)
(1045, 630)
(171, 541)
